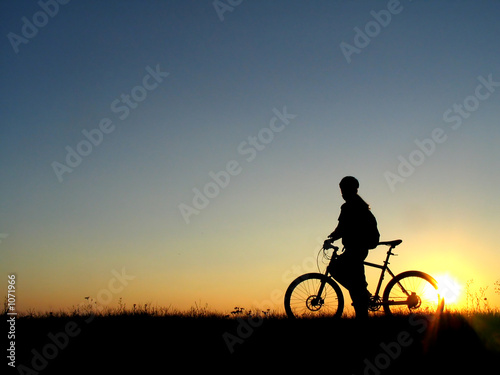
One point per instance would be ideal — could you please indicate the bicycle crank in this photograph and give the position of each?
(414, 301)
(374, 304)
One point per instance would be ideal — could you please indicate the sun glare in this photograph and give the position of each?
(448, 288)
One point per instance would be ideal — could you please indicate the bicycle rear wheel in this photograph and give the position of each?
(314, 295)
(412, 292)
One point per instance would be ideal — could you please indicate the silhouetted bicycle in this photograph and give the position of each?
(319, 295)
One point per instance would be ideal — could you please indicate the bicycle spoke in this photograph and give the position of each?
(412, 293)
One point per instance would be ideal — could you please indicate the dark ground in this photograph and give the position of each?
(150, 345)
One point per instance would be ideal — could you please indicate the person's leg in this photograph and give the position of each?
(359, 298)
(357, 288)
(341, 271)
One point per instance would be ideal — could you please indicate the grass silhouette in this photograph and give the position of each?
(149, 339)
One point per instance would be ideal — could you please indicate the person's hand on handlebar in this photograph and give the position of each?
(328, 244)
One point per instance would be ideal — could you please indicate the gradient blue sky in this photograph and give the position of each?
(120, 206)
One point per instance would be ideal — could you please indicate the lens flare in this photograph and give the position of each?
(448, 288)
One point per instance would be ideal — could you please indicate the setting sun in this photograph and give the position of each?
(449, 288)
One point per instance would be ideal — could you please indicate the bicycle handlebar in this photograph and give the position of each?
(335, 248)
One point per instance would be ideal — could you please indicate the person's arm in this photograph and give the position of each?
(334, 236)
(337, 233)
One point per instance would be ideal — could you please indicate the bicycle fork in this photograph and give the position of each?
(318, 300)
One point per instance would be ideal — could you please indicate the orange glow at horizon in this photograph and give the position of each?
(449, 289)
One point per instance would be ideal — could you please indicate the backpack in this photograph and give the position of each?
(371, 233)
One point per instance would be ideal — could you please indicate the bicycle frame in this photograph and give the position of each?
(384, 267)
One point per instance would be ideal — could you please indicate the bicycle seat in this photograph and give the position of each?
(391, 243)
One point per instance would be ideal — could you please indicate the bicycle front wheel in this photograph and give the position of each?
(412, 292)
(314, 295)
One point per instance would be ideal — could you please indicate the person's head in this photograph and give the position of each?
(349, 187)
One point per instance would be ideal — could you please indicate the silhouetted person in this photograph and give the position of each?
(357, 228)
